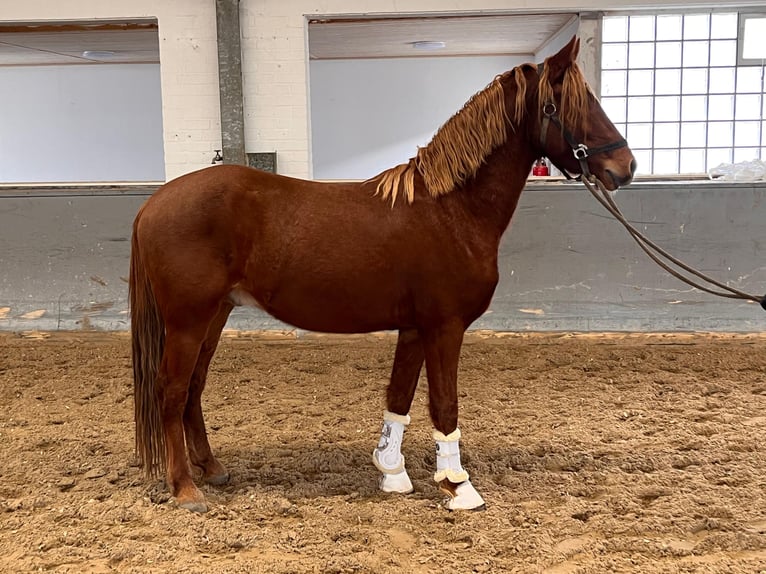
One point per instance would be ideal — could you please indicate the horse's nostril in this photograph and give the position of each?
(633, 166)
(620, 180)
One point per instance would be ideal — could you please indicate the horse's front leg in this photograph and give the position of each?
(387, 457)
(442, 353)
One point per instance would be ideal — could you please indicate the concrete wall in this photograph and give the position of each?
(565, 264)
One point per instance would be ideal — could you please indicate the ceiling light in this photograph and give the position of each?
(98, 54)
(428, 45)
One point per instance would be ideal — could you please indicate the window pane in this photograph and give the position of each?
(721, 107)
(723, 25)
(639, 110)
(666, 136)
(749, 79)
(716, 157)
(753, 44)
(696, 26)
(640, 82)
(694, 82)
(614, 83)
(643, 161)
(640, 135)
(614, 108)
(723, 53)
(748, 107)
(667, 109)
(641, 28)
(615, 29)
(747, 134)
(763, 133)
(692, 161)
(695, 54)
(669, 55)
(693, 108)
(667, 82)
(665, 161)
(641, 55)
(621, 128)
(669, 27)
(614, 56)
(693, 134)
(745, 154)
(722, 80)
(720, 134)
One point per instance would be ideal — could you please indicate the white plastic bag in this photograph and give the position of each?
(754, 170)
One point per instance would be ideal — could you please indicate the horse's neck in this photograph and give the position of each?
(493, 193)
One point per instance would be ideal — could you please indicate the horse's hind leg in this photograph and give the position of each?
(182, 348)
(387, 457)
(200, 454)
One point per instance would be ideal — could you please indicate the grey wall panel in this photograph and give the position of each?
(565, 263)
(568, 265)
(64, 259)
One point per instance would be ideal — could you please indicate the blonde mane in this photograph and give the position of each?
(573, 107)
(464, 142)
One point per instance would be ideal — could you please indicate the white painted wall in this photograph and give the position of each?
(188, 66)
(81, 123)
(369, 115)
(275, 62)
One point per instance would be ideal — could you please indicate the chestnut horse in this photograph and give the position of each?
(413, 249)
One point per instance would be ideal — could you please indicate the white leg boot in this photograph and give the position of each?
(448, 467)
(388, 458)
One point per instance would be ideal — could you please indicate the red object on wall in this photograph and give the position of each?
(540, 168)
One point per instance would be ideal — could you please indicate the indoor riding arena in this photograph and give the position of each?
(475, 286)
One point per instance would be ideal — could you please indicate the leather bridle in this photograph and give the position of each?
(580, 150)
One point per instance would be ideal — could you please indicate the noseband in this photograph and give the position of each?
(581, 151)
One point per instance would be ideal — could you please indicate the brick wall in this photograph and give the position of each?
(275, 64)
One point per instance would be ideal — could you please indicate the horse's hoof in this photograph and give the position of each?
(217, 479)
(464, 497)
(192, 499)
(399, 482)
(194, 506)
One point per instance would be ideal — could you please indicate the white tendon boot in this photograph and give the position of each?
(465, 496)
(388, 458)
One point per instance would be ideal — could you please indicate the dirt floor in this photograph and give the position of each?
(594, 454)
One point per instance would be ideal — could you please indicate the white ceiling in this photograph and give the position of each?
(518, 34)
(335, 38)
(46, 44)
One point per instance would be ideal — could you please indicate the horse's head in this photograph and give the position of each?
(573, 130)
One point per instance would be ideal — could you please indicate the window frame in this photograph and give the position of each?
(708, 150)
(743, 17)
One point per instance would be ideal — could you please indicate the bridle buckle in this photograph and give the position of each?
(580, 152)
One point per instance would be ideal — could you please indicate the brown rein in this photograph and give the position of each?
(655, 252)
(604, 197)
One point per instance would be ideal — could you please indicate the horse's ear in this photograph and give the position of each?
(561, 61)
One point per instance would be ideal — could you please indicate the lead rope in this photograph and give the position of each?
(604, 197)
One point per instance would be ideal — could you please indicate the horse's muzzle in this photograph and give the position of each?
(622, 180)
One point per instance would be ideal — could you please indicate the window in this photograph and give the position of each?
(686, 90)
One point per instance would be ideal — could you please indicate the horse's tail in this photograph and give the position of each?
(147, 329)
